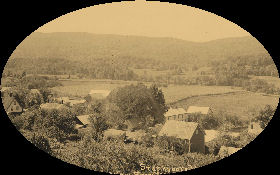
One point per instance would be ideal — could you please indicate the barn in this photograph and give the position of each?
(176, 114)
(82, 121)
(191, 132)
(99, 94)
(11, 105)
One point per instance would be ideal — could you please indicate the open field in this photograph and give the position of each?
(172, 93)
(80, 87)
(241, 104)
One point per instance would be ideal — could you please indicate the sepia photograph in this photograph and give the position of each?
(140, 88)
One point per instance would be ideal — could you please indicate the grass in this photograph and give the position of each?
(80, 87)
(172, 93)
(242, 104)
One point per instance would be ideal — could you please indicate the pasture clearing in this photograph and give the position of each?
(172, 93)
(81, 87)
(242, 104)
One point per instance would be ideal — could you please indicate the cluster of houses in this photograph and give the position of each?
(179, 122)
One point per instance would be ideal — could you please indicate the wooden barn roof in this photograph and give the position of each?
(198, 109)
(178, 129)
(84, 119)
(7, 101)
(173, 111)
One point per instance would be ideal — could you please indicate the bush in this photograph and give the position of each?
(41, 142)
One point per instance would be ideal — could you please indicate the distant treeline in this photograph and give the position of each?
(235, 71)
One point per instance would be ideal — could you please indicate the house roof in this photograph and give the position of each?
(178, 129)
(7, 101)
(173, 111)
(113, 132)
(52, 106)
(100, 93)
(71, 101)
(84, 119)
(198, 109)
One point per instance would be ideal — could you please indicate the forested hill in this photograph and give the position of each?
(86, 46)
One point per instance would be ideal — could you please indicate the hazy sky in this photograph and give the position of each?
(155, 19)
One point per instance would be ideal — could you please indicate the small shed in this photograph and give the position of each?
(11, 105)
(82, 121)
(52, 106)
(99, 94)
(191, 132)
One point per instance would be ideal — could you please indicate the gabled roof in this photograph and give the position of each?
(198, 109)
(7, 101)
(84, 119)
(100, 93)
(173, 111)
(113, 132)
(178, 129)
(52, 106)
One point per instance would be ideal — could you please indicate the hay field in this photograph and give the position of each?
(172, 93)
(242, 104)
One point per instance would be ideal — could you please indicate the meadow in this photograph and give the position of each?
(172, 93)
(243, 104)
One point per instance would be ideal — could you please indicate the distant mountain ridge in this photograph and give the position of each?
(85, 46)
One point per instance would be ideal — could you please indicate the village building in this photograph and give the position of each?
(197, 110)
(99, 94)
(254, 128)
(176, 114)
(11, 105)
(52, 106)
(129, 136)
(191, 132)
(70, 101)
(82, 121)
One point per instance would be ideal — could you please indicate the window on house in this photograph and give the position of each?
(15, 102)
(12, 109)
(252, 126)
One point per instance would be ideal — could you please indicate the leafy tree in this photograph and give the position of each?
(137, 102)
(98, 126)
(265, 115)
(58, 124)
(41, 142)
